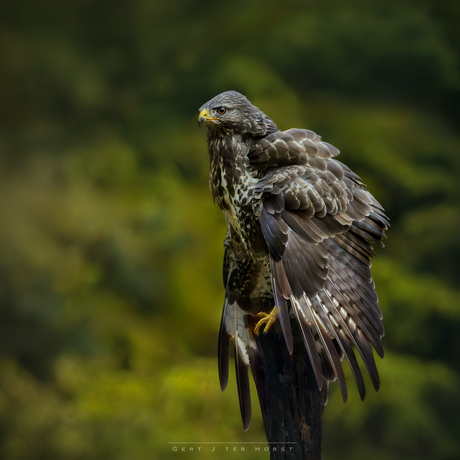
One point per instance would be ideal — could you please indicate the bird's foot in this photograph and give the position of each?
(265, 320)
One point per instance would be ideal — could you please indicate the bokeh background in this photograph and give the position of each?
(111, 247)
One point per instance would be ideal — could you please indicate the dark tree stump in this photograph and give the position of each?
(291, 402)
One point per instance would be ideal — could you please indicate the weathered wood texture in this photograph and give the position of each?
(291, 402)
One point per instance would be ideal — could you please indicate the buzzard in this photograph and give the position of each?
(298, 245)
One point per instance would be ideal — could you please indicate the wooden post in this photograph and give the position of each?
(291, 402)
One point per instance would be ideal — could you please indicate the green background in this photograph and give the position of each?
(111, 247)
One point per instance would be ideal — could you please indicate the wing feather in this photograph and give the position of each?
(329, 348)
(274, 233)
(291, 147)
(282, 309)
(309, 342)
(319, 232)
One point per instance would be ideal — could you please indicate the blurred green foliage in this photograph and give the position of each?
(111, 248)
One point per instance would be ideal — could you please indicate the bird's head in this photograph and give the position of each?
(231, 113)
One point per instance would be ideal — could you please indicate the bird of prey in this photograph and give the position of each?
(298, 245)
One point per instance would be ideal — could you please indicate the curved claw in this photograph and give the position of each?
(265, 320)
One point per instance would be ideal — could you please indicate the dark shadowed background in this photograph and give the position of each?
(111, 247)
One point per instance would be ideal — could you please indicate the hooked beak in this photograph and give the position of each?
(204, 117)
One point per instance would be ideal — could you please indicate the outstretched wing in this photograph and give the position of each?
(319, 222)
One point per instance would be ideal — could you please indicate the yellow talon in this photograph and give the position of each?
(266, 321)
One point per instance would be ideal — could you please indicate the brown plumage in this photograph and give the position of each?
(300, 228)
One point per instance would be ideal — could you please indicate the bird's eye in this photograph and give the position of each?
(221, 110)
